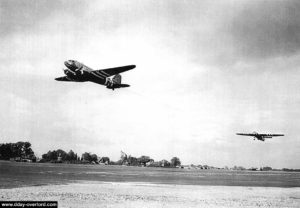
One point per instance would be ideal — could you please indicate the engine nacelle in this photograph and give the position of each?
(69, 72)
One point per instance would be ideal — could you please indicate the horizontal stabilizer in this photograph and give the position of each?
(65, 78)
(121, 85)
(114, 86)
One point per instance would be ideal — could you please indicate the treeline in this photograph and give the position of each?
(17, 151)
(21, 151)
(60, 156)
(291, 170)
(146, 161)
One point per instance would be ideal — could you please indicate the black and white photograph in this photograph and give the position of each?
(148, 103)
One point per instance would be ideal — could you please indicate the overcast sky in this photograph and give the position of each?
(205, 71)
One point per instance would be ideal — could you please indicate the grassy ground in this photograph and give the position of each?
(13, 174)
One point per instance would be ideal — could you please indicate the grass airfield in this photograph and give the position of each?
(74, 185)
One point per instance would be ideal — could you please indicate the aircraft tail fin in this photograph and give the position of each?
(117, 79)
(115, 82)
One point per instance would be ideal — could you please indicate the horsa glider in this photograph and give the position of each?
(260, 137)
(78, 72)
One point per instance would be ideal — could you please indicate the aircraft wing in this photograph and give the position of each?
(65, 78)
(261, 135)
(242, 134)
(272, 135)
(104, 73)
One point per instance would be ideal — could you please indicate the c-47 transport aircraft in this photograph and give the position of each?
(260, 137)
(78, 72)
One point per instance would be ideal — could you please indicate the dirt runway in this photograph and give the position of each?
(106, 194)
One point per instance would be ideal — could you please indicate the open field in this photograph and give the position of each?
(119, 186)
(13, 174)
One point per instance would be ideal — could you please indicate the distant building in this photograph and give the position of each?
(150, 162)
(59, 158)
(265, 168)
(253, 169)
(206, 167)
(238, 168)
(104, 160)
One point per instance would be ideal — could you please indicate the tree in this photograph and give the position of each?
(71, 156)
(132, 161)
(266, 168)
(89, 157)
(6, 151)
(13, 150)
(50, 156)
(123, 158)
(17, 149)
(165, 163)
(143, 160)
(44, 157)
(175, 161)
(86, 156)
(62, 154)
(27, 151)
(94, 158)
